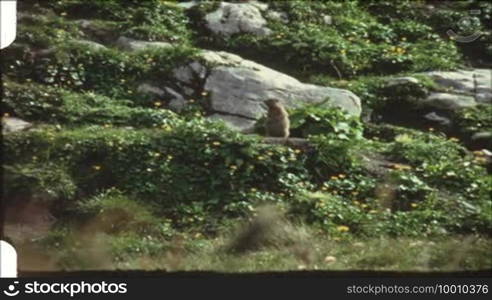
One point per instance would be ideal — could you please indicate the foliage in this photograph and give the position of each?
(315, 119)
(106, 71)
(353, 44)
(112, 212)
(169, 166)
(41, 103)
(474, 119)
(148, 20)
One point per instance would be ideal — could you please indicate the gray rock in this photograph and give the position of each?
(91, 44)
(231, 18)
(484, 98)
(278, 16)
(190, 72)
(146, 88)
(188, 4)
(239, 87)
(432, 116)
(449, 101)
(129, 44)
(484, 135)
(177, 102)
(402, 81)
(457, 81)
(236, 89)
(236, 123)
(12, 124)
(483, 85)
(475, 82)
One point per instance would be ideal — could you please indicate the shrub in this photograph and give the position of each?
(170, 166)
(35, 102)
(148, 20)
(105, 71)
(316, 119)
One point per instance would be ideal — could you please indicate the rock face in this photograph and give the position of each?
(437, 106)
(149, 89)
(447, 101)
(231, 18)
(457, 89)
(237, 88)
(476, 83)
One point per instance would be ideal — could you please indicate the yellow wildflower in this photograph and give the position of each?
(343, 228)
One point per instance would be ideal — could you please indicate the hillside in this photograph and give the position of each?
(133, 135)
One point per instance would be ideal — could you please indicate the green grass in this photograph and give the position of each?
(319, 252)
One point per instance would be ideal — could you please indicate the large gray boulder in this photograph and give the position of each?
(455, 89)
(231, 18)
(476, 83)
(237, 88)
(449, 102)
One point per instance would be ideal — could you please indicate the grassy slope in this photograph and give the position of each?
(95, 174)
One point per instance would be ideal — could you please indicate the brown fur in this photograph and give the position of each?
(277, 123)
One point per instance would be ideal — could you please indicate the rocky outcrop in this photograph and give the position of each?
(454, 89)
(232, 18)
(476, 83)
(439, 105)
(146, 88)
(446, 101)
(237, 88)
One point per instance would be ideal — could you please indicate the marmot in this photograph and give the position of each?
(277, 122)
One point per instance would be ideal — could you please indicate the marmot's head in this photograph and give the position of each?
(272, 103)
